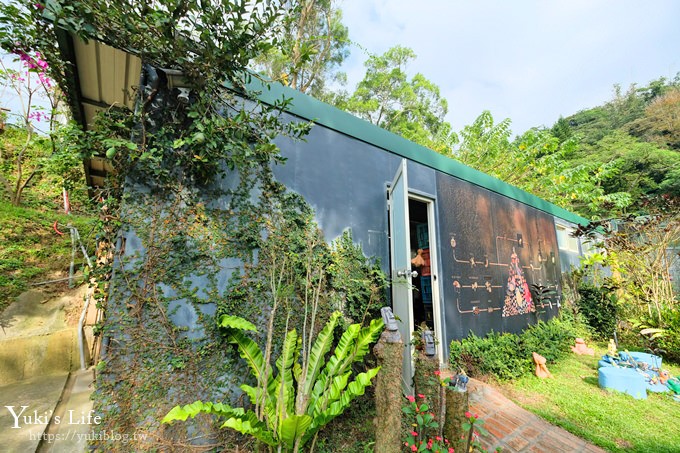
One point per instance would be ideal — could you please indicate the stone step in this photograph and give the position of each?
(38, 355)
(33, 401)
(77, 423)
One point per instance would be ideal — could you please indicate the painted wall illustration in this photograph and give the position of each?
(493, 250)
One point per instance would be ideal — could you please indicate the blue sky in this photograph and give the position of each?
(527, 60)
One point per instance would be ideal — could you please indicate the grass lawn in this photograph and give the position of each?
(31, 251)
(612, 420)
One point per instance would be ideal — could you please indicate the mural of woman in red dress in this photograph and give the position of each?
(517, 295)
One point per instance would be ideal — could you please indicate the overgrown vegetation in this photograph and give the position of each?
(207, 230)
(32, 251)
(600, 163)
(599, 309)
(305, 391)
(641, 253)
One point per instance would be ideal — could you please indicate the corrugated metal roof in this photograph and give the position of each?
(103, 77)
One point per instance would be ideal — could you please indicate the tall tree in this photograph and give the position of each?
(23, 156)
(483, 143)
(313, 45)
(412, 108)
(539, 162)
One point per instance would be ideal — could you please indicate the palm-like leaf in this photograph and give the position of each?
(352, 347)
(250, 351)
(324, 390)
(197, 407)
(236, 322)
(285, 391)
(321, 346)
(293, 428)
(354, 389)
(247, 423)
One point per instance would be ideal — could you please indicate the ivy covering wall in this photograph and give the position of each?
(193, 246)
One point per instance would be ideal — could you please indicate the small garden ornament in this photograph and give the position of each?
(419, 260)
(428, 341)
(459, 381)
(541, 370)
(388, 319)
(581, 349)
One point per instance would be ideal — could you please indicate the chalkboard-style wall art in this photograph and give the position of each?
(494, 250)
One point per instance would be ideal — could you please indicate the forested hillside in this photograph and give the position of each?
(606, 161)
(638, 132)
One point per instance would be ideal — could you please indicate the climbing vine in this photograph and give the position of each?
(199, 224)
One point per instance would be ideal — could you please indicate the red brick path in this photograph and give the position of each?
(517, 430)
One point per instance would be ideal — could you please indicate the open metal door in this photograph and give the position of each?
(400, 253)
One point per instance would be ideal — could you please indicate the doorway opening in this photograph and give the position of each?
(419, 234)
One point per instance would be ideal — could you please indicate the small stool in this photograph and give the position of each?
(624, 380)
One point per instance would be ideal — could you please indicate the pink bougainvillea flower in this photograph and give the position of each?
(45, 80)
(411, 398)
(39, 6)
(38, 116)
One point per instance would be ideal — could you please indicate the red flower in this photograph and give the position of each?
(414, 434)
(450, 450)
(414, 448)
(437, 372)
(411, 398)
(420, 395)
(468, 414)
(438, 438)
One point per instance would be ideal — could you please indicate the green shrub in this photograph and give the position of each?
(508, 356)
(599, 309)
(550, 339)
(669, 342)
(496, 354)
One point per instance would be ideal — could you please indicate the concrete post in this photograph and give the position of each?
(388, 397)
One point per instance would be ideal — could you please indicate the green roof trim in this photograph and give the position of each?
(312, 109)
